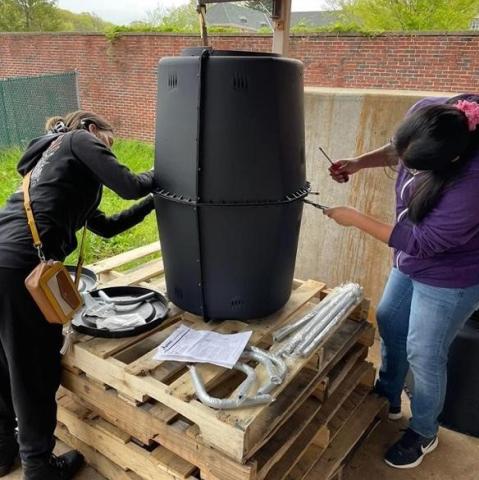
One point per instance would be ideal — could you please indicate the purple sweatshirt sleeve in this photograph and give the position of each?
(426, 102)
(452, 223)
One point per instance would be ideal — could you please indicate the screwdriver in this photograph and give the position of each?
(316, 205)
(334, 167)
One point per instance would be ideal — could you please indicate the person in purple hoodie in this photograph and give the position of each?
(433, 287)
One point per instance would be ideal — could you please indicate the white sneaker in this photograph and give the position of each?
(395, 413)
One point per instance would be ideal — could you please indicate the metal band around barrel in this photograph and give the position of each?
(290, 198)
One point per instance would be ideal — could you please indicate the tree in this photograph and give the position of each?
(404, 15)
(179, 19)
(81, 22)
(28, 15)
(45, 16)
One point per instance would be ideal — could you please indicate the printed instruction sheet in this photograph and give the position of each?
(202, 346)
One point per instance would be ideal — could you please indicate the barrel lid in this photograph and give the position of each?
(198, 51)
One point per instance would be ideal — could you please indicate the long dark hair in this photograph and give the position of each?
(435, 139)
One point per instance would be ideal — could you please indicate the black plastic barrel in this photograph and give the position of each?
(461, 408)
(231, 172)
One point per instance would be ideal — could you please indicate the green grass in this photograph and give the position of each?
(138, 157)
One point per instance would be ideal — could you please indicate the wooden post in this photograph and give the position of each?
(281, 25)
(201, 9)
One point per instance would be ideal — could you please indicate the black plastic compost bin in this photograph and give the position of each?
(230, 166)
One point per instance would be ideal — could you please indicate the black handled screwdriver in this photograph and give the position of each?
(316, 205)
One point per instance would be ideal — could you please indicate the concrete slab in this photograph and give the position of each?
(457, 456)
(86, 473)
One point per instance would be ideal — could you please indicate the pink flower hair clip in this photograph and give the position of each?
(471, 111)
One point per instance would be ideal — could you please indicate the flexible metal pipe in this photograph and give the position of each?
(260, 357)
(351, 296)
(283, 332)
(329, 302)
(127, 308)
(341, 299)
(343, 302)
(245, 387)
(322, 308)
(279, 364)
(314, 342)
(275, 366)
(274, 380)
(125, 301)
(227, 403)
(324, 333)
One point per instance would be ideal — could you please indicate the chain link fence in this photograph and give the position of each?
(26, 103)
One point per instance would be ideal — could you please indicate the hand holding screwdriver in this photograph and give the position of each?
(341, 170)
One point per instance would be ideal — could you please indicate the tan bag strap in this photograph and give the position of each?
(37, 242)
(81, 258)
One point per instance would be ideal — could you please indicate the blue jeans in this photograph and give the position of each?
(417, 324)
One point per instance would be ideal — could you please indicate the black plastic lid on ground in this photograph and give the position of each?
(154, 315)
(198, 51)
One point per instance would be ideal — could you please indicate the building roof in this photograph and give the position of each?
(228, 14)
(315, 19)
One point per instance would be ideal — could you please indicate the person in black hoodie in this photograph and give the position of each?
(70, 166)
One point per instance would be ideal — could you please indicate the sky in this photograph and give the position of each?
(126, 11)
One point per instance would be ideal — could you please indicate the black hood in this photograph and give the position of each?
(34, 152)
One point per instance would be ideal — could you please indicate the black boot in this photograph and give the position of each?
(8, 455)
(63, 467)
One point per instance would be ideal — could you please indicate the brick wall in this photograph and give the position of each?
(118, 79)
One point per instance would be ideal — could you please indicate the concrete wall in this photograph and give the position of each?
(346, 123)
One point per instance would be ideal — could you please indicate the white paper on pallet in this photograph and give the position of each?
(202, 346)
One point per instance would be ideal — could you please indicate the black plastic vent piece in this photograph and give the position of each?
(240, 81)
(231, 176)
(172, 80)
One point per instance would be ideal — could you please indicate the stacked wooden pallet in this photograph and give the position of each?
(134, 418)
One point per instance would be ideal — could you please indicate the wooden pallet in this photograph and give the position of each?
(313, 430)
(312, 458)
(144, 422)
(118, 447)
(149, 273)
(152, 423)
(127, 365)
